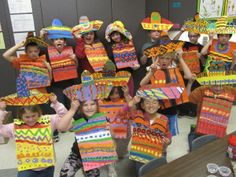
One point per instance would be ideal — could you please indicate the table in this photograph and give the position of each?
(194, 163)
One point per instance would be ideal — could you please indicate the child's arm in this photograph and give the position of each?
(180, 33)
(233, 64)
(126, 93)
(9, 55)
(190, 83)
(5, 130)
(209, 43)
(80, 49)
(43, 33)
(65, 122)
(49, 69)
(196, 96)
(186, 70)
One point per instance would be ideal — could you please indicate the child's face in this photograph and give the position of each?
(33, 52)
(89, 108)
(89, 37)
(216, 89)
(155, 34)
(224, 38)
(116, 37)
(30, 118)
(164, 62)
(115, 96)
(150, 106)
(59, 43)
(193, 37)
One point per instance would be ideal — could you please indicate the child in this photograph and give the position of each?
(32, 132)
(156, 26)
(164, 70)
(221, 48)
(214, 99)
(33, 66)
(151, 134)
(89, 50)
(122, 50)
(94, 147)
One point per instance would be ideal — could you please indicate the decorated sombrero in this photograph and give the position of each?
(222, 25)
(89, 89)
(25, 97)
(215, 73)
(33, 39)
(160, 91)
(57, 30)
(119, 27)
(162, 47)
(109, 74)
(197, 25)
(86, 26)
(155, 22)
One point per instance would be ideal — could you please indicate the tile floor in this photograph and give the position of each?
(125, 168)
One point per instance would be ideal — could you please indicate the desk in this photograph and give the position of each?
(194, 163)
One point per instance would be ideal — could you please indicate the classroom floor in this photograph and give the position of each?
(125, 167)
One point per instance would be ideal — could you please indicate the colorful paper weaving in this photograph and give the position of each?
(34, 145)
(118, 118)
(197, 25)
(155, 22)
(63, 67)
(88, 90)
(147, 140)
(125, 55)
(214, 114)
(94, 141)
(170, 76)
(191, 58)
(96, 55)
(36, 74)
(160, 91)
(109, 74)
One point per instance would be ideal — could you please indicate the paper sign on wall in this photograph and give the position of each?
(19, 6)
(22, 22)
(2, 42)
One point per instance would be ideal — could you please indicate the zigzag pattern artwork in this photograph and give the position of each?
(34, 145)
(95, 142)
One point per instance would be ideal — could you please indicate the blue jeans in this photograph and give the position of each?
(48, 172)
(173, 124)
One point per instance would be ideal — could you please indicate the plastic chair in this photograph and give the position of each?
(155, 163)
(202, 140)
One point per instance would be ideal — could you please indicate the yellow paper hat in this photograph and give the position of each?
(24, 97)
(86, 26)
(119, 27)
(222, 25)
(197, 25)
(162, 47)
(215, 73)
(155, 22)
(109, 74)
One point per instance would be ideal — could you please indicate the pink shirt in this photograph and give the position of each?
(8, 129)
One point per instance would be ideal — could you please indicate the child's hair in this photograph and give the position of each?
(31, 44)
(96, 39)
(168, 54)
(123, 38)
(80, 112)
(22, 110)
(218, 35)
(121, 93)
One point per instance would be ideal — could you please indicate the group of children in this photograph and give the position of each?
(93, 93)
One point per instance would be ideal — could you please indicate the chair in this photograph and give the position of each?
(202, 140)
(155, 163)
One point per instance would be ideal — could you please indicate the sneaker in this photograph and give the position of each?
(56, 138)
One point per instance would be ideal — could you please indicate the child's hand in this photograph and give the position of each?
(179, 53)
(211, 35)
(3, 105)
(53, 98)
(183, 28)
(21, 44)
(74, 105)
(136, 99)
(125, 89)
(76, 35)
(43, 32)
(135, 67)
